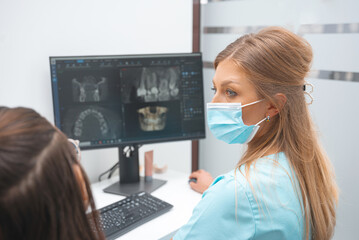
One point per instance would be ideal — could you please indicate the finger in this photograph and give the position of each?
(199, 171)
(194, 174)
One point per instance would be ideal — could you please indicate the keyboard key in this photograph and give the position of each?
(122, 216)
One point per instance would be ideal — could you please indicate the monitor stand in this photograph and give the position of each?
(130, 180)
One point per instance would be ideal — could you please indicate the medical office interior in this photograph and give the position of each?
(32, 31)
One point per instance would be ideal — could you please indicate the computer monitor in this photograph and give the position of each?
(124, 101)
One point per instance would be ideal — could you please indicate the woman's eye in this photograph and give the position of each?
(214, 89)
(230, 93)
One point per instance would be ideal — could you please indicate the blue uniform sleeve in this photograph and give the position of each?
(217, 216)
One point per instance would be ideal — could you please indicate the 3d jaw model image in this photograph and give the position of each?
(158, 84)
(152, 118)
(89, 89)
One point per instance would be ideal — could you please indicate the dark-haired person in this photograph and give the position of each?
(283, 187)
(44, 192)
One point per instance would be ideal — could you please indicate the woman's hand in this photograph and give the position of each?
(204, 180)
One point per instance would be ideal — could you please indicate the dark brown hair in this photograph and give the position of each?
(276, 60)
(40, 197)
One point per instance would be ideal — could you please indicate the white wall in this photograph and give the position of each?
(335, 109)
(31, 31)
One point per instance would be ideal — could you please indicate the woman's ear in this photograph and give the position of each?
(272, 109)
(281, 100)
(81, 181)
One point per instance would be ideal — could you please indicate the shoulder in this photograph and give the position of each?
(273, 169)
(223, 184)
(259, 203)
(223, 194)
(225, 190)
(274, 195)
(220, 214)
(270, 179)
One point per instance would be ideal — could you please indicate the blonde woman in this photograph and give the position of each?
(283, 187)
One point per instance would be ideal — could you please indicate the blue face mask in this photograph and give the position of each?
(226, 123)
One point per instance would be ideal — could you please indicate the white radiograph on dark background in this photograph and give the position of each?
(159, 84)
(92, 122)
(151, 84)
(89, 89)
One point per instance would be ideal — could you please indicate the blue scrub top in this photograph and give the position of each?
(230, 210)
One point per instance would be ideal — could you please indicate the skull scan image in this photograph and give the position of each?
(158, 84)
(89, 89)
(152, 118)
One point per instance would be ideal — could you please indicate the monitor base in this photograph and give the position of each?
(126, 189)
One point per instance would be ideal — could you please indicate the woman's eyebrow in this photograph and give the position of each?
(225, 82)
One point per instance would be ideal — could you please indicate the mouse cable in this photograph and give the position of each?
(107, 171)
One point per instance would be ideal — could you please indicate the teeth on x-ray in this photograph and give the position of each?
(164, 94)
(82, 117)
(152, 118)
(158, 84)
(89, 89)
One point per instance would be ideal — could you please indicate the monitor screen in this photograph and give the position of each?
(107, 101)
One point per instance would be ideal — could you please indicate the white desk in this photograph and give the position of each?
(176, 192)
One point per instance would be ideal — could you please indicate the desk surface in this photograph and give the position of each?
(176, 192)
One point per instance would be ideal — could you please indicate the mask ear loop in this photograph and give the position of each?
(248, 104)
(264, 119)
(309, 93)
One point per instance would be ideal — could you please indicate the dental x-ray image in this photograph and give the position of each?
(89, 89)
(89, 123)
(151, 84)
(152, 118)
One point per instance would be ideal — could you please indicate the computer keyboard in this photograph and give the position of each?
(123, 216)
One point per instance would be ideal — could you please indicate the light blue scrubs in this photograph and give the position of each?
(230, 210)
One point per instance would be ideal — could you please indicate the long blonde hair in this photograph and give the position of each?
(276, 60)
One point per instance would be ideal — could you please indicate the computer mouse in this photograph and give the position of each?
(192, 180)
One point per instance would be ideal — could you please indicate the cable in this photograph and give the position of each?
(111, 169)
(111, 172)
(114, 167)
